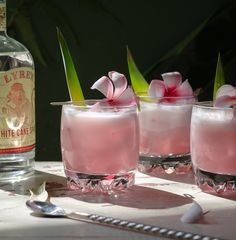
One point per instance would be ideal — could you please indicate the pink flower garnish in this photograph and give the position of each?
(226, 96)
(115, 89)
(171, 87)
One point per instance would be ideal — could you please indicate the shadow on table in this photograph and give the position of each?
(135, 197)
(142, 197)
(138, 197)
(183, 178)
(22, 187)
(225, 195)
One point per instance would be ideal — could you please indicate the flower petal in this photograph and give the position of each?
(226, 89)
(194, 213)
(105, 86)
(127, 98)
(156, 88)
(183, 90)
(120, 83)
(97, 107)
(172, 80)
(225, 101)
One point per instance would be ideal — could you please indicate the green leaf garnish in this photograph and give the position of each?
(73, 84)
(219, 76)
(139, 84)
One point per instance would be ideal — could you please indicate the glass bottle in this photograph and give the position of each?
(17, 106)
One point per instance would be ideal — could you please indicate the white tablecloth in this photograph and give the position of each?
(156, 201)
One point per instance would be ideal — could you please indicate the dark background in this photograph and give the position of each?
(161, 35)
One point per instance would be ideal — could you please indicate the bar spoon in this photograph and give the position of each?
(48, 209)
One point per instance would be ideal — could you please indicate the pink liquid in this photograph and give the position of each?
(213, 141)
(99, 143)
(164, 129)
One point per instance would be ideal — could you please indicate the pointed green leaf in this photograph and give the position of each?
(219, 76)
(138, 82)
(73, 84)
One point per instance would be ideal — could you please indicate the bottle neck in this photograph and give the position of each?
(3, 17)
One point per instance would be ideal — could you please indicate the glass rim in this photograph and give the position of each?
(170, 101)
(209, 105)
(159, 98)
(89, 103)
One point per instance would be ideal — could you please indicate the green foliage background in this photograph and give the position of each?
(163, 35)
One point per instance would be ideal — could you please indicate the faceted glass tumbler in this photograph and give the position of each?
(165, 135)
(99, 146)
(213, 148)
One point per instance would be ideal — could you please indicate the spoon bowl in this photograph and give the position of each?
(45, 208)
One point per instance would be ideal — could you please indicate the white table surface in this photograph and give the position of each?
(155, 201)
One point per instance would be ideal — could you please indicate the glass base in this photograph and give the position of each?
(156, 165)
(99, 183)
(212, 182)
(15, 167)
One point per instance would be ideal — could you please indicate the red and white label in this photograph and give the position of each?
(17, 110)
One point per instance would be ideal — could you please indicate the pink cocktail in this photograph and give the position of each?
(213, 147)
(99, 146)
(165, 133)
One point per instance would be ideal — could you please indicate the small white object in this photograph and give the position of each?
(39, 193)
(193, 214)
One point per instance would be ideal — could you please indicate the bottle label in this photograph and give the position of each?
(17, 110)
(2, 16)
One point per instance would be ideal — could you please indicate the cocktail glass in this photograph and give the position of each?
(213, 147)
(165, 135)
(99, 146)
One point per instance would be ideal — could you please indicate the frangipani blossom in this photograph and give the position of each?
(171, 86)
(226, 96)
(115, 89)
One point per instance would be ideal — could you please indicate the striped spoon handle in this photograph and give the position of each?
(138, 227)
